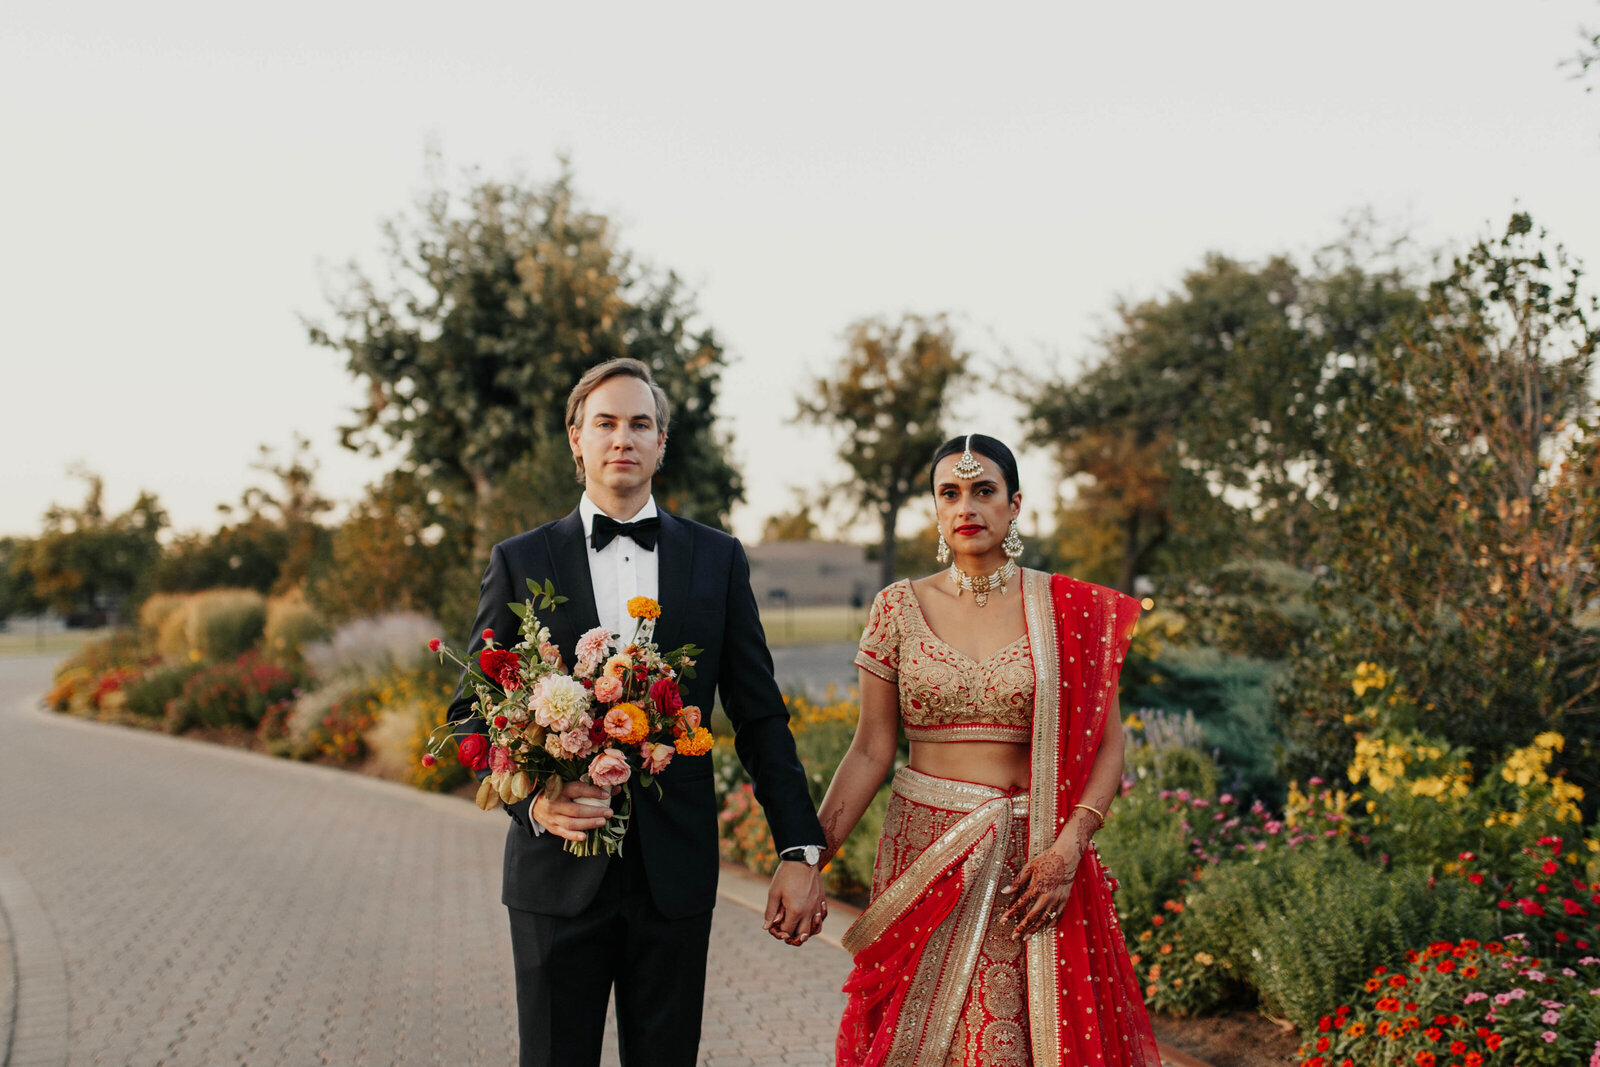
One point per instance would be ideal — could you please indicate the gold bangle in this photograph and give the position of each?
(1099, 815)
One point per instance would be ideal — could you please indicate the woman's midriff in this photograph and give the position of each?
(994, 763)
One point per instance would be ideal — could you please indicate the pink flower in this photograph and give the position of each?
(500, 761)
(592, 645)
(609, 768)
(607, 689)
(549, 654)
(618, 723)
(1549, 1037)
(575, 743)
(656, 757)
(1550, 1018)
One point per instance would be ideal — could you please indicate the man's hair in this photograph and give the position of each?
(604, 372)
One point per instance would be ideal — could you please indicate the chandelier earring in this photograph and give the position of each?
(1012, 545)
(942, 553)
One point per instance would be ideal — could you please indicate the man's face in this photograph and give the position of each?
(617, 437)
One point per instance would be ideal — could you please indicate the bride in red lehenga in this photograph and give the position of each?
(991, 938)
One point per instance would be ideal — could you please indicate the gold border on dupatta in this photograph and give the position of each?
(1044, 994)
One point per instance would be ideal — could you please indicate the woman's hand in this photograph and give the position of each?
(1045, 883)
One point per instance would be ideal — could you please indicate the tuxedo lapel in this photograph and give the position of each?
(674, 572)
(569, 568)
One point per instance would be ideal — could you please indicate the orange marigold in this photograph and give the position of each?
(695, 744)
(642, 607)
(628, 723)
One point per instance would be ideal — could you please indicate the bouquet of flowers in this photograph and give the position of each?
(615, 719)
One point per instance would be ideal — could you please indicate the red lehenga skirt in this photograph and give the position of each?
(938, 978)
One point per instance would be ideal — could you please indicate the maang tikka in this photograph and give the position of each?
(967, 466)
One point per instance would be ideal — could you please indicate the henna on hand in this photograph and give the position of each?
(1048, 876)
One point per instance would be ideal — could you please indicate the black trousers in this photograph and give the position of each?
(566, 968)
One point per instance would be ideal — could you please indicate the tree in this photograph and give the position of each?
(1466, 545)
(17, 595)
(89, 565)
(501, 298)
(401, 548)
(1199, 430)
(274, 541)
(794, 525)
(888, 396)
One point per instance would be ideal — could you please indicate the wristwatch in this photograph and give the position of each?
(810, 855)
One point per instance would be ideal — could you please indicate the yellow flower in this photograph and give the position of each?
(1133, 722)
(1551, 740)
(695, 744)
(642, 607)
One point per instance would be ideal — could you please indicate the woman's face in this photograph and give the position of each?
(974, 513)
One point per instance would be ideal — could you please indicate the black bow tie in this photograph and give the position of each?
(643, 531)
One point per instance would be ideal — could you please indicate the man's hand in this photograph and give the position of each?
(796, 906)
(563, 816)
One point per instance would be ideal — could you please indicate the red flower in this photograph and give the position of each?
(1493, 1041)
(1324, 1024)
(1446, 966)
(664, 694)
(502, 666)
(1433, 1033)
(433, 645)
(1572, 907)
(500, 722)
(1475, 878)
(1323, 1043)
(428, 759)
(1398, 981)
(488, 635)
(1550, 867)
(1531, 907)
(1425, 1059)
(1457, 1047)
(473, 752)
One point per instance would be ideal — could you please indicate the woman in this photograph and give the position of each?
(991, 937)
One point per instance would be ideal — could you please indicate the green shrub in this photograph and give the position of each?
(235, 693)
(1233, 700)
(1303, 928)
(156, 610)
(148, 696)
(172, 633)
(291, 624)
(226, 623)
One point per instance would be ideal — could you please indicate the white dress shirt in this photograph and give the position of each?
(621, 570)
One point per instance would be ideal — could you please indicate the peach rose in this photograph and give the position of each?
(618, 665)
(607, 690)
(609, 768)
(656, 757)
(687, 722)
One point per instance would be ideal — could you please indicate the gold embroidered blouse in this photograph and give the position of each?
(946, 695)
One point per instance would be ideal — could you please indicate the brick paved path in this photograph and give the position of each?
(170, 902)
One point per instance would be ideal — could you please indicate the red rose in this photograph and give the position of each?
(433, 645)
(473, 752)
(502, 666)
(500, 722)
(666, 697)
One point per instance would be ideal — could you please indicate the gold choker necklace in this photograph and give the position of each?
(983, 584)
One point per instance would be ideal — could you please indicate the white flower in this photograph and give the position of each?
(559, 702)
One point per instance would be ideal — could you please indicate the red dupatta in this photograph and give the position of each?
(1084, 1005)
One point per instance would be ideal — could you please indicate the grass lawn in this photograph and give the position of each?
(25, 641)
(812, 626)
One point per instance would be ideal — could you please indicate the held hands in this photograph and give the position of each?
(796, 905)
(563, 816)
(1045, 883)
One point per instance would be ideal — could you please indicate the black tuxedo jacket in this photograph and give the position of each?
(705, 600)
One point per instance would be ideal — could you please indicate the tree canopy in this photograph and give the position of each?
(888, 396)
(499, 298)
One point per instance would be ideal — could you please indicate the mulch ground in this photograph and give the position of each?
(1240, 1039)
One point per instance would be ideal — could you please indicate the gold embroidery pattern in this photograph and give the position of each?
(945, 695)
(952, 1007)
(1042, 964)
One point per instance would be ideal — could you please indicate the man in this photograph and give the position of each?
(640, 921)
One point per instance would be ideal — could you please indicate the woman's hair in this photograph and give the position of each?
(990, 449)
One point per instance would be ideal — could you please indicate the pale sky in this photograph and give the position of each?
(179, 180)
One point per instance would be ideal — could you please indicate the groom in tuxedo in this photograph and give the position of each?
(641, 921)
